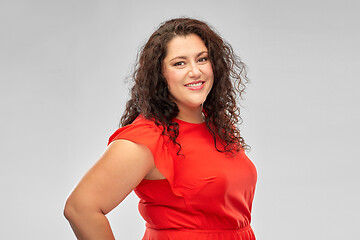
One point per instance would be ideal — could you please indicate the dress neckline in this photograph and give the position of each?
(189, 123)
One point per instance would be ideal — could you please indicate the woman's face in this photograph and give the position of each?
(188, 71)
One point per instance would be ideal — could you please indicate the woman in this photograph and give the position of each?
(179, 147)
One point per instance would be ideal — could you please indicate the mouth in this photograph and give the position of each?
(198, 85)
(195, 84)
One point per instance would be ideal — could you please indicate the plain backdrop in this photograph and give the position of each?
(63, 66)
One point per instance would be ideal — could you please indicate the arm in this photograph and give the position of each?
(121, 168)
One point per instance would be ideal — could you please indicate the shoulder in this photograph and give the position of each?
(141, 126)
(142, 131)
(145, 122)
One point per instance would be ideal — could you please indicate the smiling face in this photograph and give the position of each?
(188, 72)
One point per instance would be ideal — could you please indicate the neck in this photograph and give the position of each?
(191, 115)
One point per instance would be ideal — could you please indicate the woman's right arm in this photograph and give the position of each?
(121, 168)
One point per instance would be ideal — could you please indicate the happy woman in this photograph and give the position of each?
(179, 147)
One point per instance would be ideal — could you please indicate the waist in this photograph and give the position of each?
(245, 233)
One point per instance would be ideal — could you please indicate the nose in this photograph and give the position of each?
(194, 71)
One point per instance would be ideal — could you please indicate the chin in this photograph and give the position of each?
(196, 105)
(191, 103)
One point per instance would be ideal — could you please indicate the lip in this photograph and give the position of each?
(195, 87)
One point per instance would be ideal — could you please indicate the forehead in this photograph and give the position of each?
(185, 45)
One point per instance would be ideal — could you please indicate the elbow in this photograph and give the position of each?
(74, 208)
(77, 208)
(69, 210)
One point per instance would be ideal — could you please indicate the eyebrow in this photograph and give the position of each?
(183, 57)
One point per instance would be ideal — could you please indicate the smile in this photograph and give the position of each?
(195, 85)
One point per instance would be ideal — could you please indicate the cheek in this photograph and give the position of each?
(173, 78)
(210, 70)
(210, 74)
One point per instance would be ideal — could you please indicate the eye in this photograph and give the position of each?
(179, 63)
(203, 59)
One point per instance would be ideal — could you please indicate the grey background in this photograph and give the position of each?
(62, 71)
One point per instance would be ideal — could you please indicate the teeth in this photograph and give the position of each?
(194, 84)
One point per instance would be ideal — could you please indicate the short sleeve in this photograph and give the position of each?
(144, 131)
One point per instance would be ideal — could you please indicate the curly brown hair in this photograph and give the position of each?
(150, 94)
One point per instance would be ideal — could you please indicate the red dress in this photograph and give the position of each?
(206, 195)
